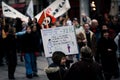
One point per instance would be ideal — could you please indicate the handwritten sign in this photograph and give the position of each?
(59, 39)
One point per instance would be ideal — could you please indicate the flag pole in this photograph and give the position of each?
(3, 31)
(66, 15)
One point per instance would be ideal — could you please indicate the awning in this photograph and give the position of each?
(20, 5)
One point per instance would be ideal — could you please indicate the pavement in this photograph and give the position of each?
(20, 70)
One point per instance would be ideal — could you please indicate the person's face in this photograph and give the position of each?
(86, 27)
(34, 28)
(106, 35)
(61, 18)
(28, 30)
(104, 27)
(57, 23)
(63, 61)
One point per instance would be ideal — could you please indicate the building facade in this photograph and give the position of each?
(89, 7)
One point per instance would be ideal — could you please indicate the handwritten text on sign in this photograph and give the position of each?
(59, 39)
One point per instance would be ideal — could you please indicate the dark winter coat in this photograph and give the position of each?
(30, 43)
(10, 49)
(85, 69)
(107, 58)
(36, 41)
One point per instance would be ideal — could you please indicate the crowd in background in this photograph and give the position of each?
(101, 35)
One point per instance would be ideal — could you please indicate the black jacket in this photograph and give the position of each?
(85, 69)
(30, 43)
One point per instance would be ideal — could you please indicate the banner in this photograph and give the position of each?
(57, 8)
(46, 19)
(30, 10)
(8, 11)
(59, 39)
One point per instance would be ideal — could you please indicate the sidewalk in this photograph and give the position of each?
(20, 70)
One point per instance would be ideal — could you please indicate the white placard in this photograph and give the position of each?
(59, 39)
(9, 11)
(57, 8)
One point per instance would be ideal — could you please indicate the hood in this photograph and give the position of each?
(51, 69)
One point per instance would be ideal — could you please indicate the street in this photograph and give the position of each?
(20, 70)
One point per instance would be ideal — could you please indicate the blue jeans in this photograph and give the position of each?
(30, 63)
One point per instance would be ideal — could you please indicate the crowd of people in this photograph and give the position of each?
(98, 46)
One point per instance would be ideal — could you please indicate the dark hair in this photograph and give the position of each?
(57, 56)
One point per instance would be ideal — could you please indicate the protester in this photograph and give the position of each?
(87, 37)
(11, 55)
(85, 19)
(18, 24)
(94, 27)
(56, 70)
(106, 55)
(28, 51)
(86, 68)
(36, 49)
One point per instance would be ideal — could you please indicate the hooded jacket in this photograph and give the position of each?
(56, 71)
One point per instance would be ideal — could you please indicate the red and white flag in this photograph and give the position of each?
(46, 19)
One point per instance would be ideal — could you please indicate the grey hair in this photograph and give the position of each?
(86, 52)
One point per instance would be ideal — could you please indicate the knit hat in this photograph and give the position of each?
(57, 56)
